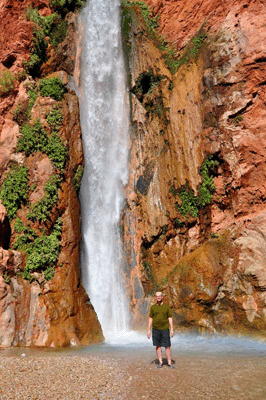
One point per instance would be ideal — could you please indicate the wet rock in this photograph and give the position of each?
(213, 106)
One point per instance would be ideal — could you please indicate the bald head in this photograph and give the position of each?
(159, 298)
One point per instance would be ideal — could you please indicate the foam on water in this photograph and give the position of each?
(189, 343)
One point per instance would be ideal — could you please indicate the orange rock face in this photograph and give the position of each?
(211, 265)
(41, 312)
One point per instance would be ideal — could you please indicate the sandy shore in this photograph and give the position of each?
(130, 375)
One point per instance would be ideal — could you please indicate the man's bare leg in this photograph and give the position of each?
(159, 354)
(168, 355)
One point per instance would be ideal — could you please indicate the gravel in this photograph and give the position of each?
(59, 377)
(130, 375)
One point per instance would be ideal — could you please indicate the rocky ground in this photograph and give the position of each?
(134, 375)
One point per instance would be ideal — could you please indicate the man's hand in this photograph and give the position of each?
(149, 334)
(170, 319)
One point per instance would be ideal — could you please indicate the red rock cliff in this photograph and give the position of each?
(196, 197)
(42, 301)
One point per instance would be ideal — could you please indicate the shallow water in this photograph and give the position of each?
(136, 344)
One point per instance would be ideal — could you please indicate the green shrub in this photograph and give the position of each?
(52, 25)
(58, 31)
(151, 22)
(77, 178)
(45, 23)
(49, 273)
(33, 96)
(33, 139)
(38, 52)
(238, 119)
(64, 6)
(207, 188)
(42, 253)
(191, 204)
(178, 223)
(55, 119)
(7, 80)
(14, 190)
(52, 87)
(6, 278)
(164, 229)
(25, 237)
(22, 112)
(40, 211)
(56, 150)
(146, 83)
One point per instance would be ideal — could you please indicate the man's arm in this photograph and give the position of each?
(170, 319)
(149, 327)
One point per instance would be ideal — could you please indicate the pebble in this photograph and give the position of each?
(60, 376)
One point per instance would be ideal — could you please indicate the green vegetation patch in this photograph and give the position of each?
(42, 251)
(144, 90)
(32, 92)
(34, 138)
(53, 26)
(7, 81)
(191, 204)
(237, 119)
(146, 83)
(38, 45)
(172, 61)
(14, 190)
(52, 87)
(55, 119)
(152, 22)
(26, 235)
(77, 178)
(65, 6)
(40, 211)
(56, 150)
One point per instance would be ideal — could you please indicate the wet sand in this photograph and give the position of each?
(106, 372)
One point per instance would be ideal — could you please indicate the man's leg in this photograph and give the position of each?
(159, 354)
(168, 355)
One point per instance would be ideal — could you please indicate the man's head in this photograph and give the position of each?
(159, 297)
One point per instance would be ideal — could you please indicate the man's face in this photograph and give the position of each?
(158, 297)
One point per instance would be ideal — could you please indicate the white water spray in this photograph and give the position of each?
(104, 122)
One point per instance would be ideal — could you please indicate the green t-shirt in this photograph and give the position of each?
(160, 315)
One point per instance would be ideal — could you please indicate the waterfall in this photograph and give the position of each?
(104, 122)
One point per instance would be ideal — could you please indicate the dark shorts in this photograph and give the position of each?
(161, 338)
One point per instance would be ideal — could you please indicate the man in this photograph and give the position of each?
(160, 319)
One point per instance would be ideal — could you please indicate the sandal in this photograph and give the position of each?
(160, 365)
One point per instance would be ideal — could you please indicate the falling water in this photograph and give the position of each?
(104, 122)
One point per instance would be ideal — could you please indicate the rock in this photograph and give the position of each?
(41, 312)
(215, 105)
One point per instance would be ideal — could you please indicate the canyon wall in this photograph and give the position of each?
(195, 218)
(42, 301)
(194, 221)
